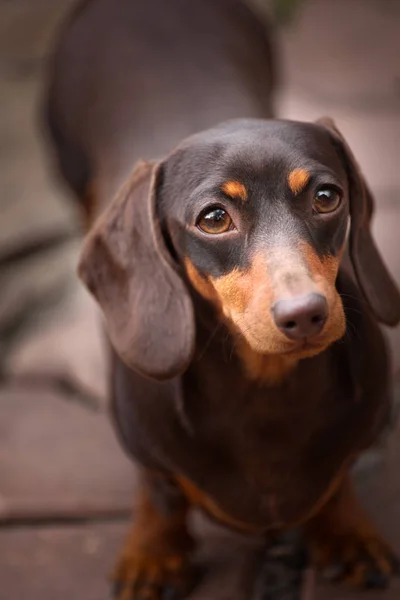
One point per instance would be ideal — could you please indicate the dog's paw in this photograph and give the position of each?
(146, 577)
(357, 560)
(282, 568)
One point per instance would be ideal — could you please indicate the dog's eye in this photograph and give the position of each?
(215, 220)
(326, 200)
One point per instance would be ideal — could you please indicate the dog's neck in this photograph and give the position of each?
(216, 335)
(266, 369)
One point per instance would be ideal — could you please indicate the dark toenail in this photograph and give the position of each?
(377, 581)
(170, 593)
(116, 588)
(333, 573)
(395, 565)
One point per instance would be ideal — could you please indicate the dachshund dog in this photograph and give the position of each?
(248, 368)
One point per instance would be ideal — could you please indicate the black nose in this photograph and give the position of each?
(301, 317)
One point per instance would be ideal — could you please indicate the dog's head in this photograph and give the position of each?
(254, 216)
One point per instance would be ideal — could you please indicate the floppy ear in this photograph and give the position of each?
(372, 275)
(126, 266)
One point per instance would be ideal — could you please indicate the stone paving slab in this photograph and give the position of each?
(75, 562)
(32, 205)
(35, 281)
(58, 563)
(67, 346)
(58, 457)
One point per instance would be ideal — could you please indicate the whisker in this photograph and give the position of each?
(208, 342)
(349, 296)
(354, 330)
(355, 310)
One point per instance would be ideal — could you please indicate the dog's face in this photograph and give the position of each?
(253, 215)
(258, 214)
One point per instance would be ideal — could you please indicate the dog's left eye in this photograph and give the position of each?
(215, 220)
(326, 200)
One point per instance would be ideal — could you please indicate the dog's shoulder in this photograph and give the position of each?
(363, 332)
(363, 354)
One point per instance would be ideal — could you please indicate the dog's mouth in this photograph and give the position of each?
(302, 348)
(305, 347)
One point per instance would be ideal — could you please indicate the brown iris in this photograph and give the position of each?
(215, 220)
(327, 200)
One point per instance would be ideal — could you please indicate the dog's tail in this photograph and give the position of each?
(72, 162)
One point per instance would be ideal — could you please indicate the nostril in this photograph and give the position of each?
(301, 317)
(317, 319)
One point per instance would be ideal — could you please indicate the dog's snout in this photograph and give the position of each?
(301, 317)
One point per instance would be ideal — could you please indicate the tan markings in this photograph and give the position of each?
(231, 294)
(342, 534)
(235, 189)
(234, 290)
(157, 550)
(90, 205)
(298, 179)
(270, 369)
(330, 491)
(326, 266)
(201, 284)
(199, 499)
(245, 299)
(324, 272)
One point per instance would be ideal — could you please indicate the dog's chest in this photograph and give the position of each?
(267, 456)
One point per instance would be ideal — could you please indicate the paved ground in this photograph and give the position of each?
(65, 485)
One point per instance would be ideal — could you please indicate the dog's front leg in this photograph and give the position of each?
(155, 562)
(341, 536)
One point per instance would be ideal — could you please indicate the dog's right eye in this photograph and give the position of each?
(214, 221)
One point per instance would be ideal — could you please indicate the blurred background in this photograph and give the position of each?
(65, 485)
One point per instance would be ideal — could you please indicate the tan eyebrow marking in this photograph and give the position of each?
(298, 179)
(235, 189)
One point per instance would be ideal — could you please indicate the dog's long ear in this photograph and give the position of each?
(372, 275)
(126, 266)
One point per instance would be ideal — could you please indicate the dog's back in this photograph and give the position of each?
(131, 78)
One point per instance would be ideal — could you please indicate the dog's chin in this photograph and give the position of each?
(307, 350)
(292, 351)
(295, 350)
